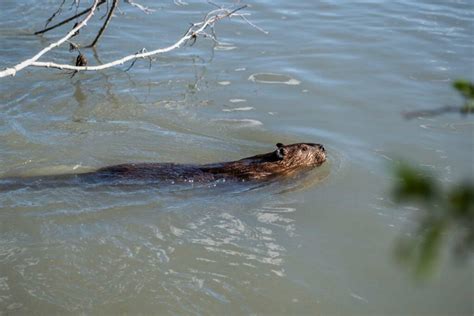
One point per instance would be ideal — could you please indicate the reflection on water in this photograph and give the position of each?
(175, 248)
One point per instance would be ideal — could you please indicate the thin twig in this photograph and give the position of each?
(139, 6)
(242, 16)
(143, 50)
(68, 19)
(214, 4)
(106, 11)
(58, 11)
(211, 36)
(75, 3)
(106, 22)
(72, 45)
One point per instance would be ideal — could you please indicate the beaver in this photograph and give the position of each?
(286, 160)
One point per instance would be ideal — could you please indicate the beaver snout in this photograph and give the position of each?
(319, 146)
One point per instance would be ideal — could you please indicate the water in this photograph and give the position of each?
(339, 73)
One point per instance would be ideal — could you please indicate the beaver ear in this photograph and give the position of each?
(281, 152)
(279, 145)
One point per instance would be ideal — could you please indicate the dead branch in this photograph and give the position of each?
(194, 31)
(29, 62)
(106, 22)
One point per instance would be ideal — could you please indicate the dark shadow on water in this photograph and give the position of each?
(90, 181)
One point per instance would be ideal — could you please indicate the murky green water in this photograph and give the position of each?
(339, 73)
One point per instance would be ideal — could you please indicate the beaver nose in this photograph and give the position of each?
(320, 147)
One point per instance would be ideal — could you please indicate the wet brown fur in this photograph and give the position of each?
(285, 160)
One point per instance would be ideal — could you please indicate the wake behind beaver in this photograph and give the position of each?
(285, 161)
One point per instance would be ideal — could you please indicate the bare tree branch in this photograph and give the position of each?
(13, 70)
(195, 30)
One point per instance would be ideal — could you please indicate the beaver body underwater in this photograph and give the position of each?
(286, 160)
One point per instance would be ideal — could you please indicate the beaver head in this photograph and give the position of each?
(285, 160)
(300, 155)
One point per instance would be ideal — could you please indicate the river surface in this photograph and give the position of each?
(335, 72)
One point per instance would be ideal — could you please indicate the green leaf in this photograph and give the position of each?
(413, 185)
(429, 248)
(461, 200)
(465, 87)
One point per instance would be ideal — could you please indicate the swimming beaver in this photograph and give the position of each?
(285, 160)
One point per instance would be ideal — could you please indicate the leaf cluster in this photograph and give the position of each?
(466, 89)
(444, 212)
